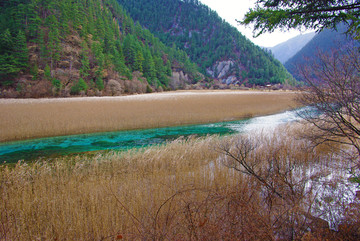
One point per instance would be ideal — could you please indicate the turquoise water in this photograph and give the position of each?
(56, 146)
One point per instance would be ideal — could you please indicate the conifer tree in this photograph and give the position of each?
(47, 72)
(21, 52)
(138, 61)
(99, 83)
(129, 50)
(9, 64)
(149, 66)
(33, 20)
(43, 50)
(54, 46)
(85, 65)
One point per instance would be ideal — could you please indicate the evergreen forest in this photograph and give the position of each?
(207, 39)
(72, 47)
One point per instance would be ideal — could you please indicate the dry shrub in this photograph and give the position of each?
(302, 187)
(41, 89)
(113, 87)
(135, 86)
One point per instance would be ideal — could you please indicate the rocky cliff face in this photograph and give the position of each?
(178, 80)
(219, 49)
(224, 72)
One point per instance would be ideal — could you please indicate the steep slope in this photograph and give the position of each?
(324, 41)
(63, 47)
(218, 48)
(284, 51)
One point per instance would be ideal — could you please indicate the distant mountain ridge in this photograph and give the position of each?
(219, 49)
(284, 51)
(324, 41)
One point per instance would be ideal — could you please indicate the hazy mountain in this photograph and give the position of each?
(289, 48)
(219, 49)
(324, 41)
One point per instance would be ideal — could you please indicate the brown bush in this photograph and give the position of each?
(113, 87)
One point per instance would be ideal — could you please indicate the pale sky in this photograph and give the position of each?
(236, 9)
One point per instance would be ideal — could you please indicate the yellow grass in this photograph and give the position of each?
(24, 119)
(181, 191)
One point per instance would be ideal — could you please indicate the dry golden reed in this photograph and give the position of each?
(179, 191)
(24, 119)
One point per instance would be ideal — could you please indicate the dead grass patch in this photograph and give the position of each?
(180, 191)
(24, 119)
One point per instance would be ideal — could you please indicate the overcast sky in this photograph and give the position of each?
(236, 9)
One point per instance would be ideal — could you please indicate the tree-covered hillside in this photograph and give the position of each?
(217, 47)
(62, 47)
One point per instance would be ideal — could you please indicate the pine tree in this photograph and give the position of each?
(138, 61)
(6, 42)
(99, 83)
(149, 67)
(33, 20)
(85, 64)
(8, 63)
(47, 72)
(79, 86)
(21, 52)
(98, 52)
(44, 53)
(129, 47)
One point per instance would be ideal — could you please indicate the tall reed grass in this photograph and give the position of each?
(184, 190)
(24, 119)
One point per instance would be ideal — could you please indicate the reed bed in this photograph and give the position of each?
(184, 190)
(32, 118)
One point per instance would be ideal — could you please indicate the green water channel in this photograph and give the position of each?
(122, 140)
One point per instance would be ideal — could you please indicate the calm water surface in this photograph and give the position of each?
(122, 140)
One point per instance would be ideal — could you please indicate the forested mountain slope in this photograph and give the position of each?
(72, 47)
(284, 51)
(323, 41)
(218, 48)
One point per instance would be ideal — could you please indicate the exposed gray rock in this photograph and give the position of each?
(230, 80)
(178, 79)
(221, 70)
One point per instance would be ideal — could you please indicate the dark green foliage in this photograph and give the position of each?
(205, 37)
(149, 67)
(79, 86)
(57, 84)
(99, 84)
(148, 89)
(138, 61)
(21, 52)
(85, 65)
(91, 38)
(47, 72)
(13, 55)
(34, 71)
(273, 14)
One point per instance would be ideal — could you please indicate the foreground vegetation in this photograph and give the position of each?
(186, 190)
(24, 119)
